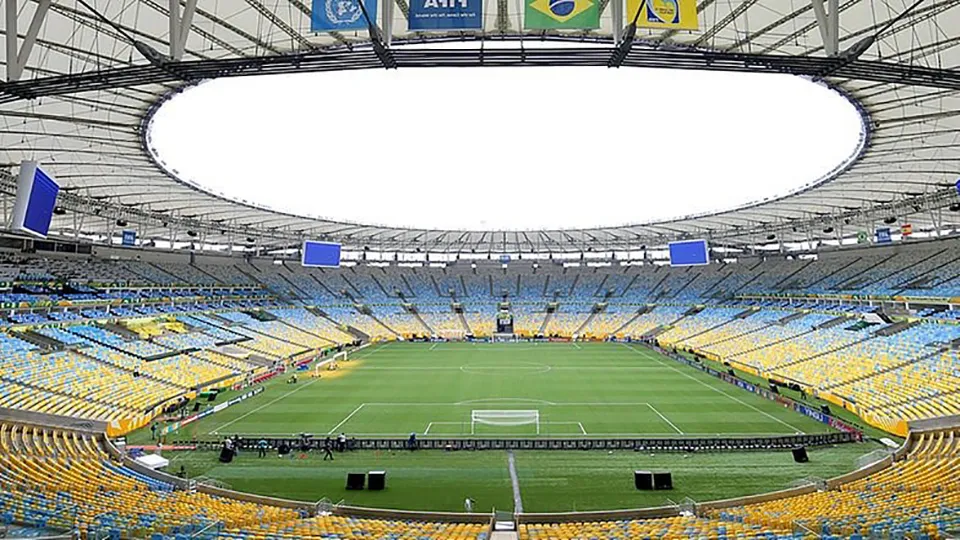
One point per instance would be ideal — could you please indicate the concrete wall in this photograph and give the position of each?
(934, 424)
(600, 515)
(379, 513)
(52, 421)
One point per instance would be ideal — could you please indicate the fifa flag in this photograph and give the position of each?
(883, 235)
(669, 14)
(445, 15)
(561, 15)
(341, 15)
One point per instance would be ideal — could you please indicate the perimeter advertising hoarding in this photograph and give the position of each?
(445, 15)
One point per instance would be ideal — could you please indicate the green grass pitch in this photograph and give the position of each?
(590, 389)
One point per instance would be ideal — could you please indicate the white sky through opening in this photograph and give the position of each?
(505, 148)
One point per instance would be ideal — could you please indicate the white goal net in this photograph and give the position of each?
(331, 365)
(504, 417)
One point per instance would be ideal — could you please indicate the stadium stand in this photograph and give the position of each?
(60, 478)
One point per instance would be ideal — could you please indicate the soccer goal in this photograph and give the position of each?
(451, 335)
(331, 365)
(504, 417)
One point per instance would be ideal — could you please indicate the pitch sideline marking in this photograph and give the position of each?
(665, 419)
(581, 427)
(297, 389)
(515, 481)
(344, 421)
(719, 391)
(261, 407)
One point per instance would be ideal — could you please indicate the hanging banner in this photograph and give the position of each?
(341, 15)
(862, 237)
(561, 15)
(671, 14)
(445, 15)
(883, 235)
(906, 229)
(129, 238)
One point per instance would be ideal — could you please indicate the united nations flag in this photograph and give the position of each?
(341, 15)
(561, 14)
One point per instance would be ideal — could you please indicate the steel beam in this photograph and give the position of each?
(10, 30)
(828, 23)
(180, 24)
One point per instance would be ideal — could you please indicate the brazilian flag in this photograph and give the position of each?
(561, 14)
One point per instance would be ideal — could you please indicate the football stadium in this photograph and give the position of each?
(454, 269)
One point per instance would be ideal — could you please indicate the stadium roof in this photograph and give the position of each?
(85, 74)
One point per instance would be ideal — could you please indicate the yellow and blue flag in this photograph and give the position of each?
(668, 14)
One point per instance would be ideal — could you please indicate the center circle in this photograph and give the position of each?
(515, 368)
(505, 148)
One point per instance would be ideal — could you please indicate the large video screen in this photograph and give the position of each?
(689, 253)
(36, 198)
(323, 254)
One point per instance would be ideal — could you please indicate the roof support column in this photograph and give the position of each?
(616, 15)
(17, 59)
(386, 21)
(10, 28)
(829, 24)
(111, 221)
(936, 217)
(180, 23)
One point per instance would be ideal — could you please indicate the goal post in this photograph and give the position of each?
(330, 365)
(504, 417)
(451, 334)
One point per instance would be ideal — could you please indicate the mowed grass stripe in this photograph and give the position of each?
(609, 389)
(582, 386)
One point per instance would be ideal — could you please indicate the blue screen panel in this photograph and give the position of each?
(689, 253)
(43, 198)
(320, 254)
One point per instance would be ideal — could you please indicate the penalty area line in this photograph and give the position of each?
(344, 421)
(264, 406)
(665, 419)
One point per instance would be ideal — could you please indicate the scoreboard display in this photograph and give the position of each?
(689, 253)
(36, 198)
(320, 254)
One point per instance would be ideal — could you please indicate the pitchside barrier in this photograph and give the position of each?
(659, 444)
